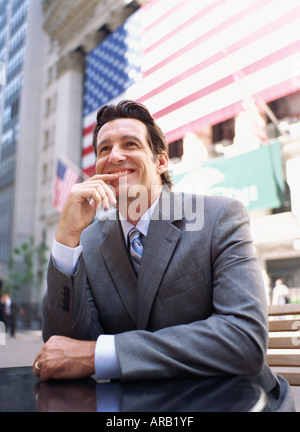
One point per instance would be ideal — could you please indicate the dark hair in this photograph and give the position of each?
(132, 109)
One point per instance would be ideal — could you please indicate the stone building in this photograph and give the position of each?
(48, 124)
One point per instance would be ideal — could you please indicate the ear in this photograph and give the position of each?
(162, 162)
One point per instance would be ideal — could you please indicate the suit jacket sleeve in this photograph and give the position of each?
(233, 340)
(68, 305)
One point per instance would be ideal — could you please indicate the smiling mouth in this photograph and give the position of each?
(122, 173)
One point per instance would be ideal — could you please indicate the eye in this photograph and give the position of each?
(131, 144)
(103, 149)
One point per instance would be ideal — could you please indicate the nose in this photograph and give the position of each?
(116, 155)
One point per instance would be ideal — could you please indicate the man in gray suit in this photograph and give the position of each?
(193, 305)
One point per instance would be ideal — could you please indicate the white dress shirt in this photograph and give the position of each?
(106, 361)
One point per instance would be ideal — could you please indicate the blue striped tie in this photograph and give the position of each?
(136, 248)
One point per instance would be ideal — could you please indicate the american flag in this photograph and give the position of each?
(180, 57)
(65, 178)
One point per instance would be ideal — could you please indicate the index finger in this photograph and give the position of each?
(104, 177)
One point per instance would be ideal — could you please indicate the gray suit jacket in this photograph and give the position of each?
(197, 308)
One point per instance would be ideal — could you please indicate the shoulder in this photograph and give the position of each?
(202, 211)
(222, 203)
(209, 204)
(225, 213)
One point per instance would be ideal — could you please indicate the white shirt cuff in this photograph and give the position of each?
(106, 361)
(66, 258)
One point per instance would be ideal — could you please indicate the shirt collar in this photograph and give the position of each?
(143, 223)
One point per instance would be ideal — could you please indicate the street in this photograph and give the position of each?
(21, 349)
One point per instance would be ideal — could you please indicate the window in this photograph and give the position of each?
(46, 139)
(48, 107)
(224, 131)
(45, 173)
(175, 149)
(7, 115)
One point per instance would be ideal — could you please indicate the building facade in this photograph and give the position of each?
(43, 45)
(48, 46)
(275, 226)
(72, 30)
(21, 42)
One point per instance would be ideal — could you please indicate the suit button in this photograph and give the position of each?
(66, 306)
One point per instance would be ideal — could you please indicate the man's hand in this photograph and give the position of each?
(80, 208)
(65, 358)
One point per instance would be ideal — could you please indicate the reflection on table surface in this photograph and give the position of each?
(21, 391)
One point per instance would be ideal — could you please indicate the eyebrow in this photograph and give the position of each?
(123, 138)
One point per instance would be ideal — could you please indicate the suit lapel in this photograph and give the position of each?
(118, 263)
(138, 295)
(161, 241)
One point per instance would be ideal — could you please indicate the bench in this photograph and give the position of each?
(283, 355)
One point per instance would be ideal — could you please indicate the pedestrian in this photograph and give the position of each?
(9, 317)
(280, 293)
(177, 298)
(1, 303)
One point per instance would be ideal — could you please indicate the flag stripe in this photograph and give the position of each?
(254, 67)
(198, 54)
(177, 21)
(179, 28)
(239, 57)
(200, 34)
(228, 111)
(181, 58)
(282, 34)
(161, 18)
(87, 131)
(257, 82)
(65, 178)
(87, 150)
(212, 32)
(90, 170)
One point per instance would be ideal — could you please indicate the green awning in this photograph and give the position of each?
(255, 178)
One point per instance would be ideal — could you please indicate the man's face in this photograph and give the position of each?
(122, 147)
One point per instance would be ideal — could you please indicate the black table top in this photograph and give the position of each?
(20, 391)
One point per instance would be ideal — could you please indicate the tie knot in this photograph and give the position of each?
(134, 235)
